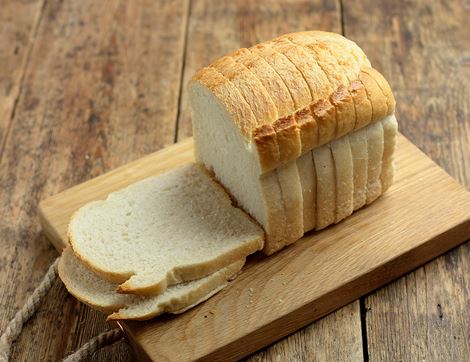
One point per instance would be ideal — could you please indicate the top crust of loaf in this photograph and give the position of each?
(332, 87)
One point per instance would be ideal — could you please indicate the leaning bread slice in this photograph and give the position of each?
(390, 128)
(326, 186)
(164, 230)
(101, 294)
(343, 163)
(288, 177)
(375, 147)
(308, 183)
(358, 142)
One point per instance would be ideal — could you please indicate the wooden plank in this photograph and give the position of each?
(336, 337)
(19, 22)
(100, 90)
(422, 48)
(276, 295)
(219, 27)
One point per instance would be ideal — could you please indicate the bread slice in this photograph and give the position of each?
(164, 230)
(390, 129)
(343, 163)
(326, 186)
(358, 142)
(308, 183)
(101, 294)
(276, 222)
(288, 176)
(375, 148)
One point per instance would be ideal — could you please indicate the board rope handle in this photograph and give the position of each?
(15, 326)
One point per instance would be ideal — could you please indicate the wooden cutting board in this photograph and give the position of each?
(424, 214)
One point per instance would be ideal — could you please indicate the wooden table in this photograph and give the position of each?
(86, 86)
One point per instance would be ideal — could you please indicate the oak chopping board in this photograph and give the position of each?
(424, 214)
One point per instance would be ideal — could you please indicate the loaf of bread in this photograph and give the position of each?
(300, 130)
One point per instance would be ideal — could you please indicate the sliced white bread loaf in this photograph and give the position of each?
(101, 294)
(175, 227)
(321, 87)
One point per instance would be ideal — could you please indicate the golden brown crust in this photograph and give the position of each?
(288, 138)
(375, 95)
(325, 115)
(350, 66)
(314, 76)
(308, 129)
(266, 143)
(230, 97)
(270, 79)
(311, 72)
(319, 50)
(345, 112)
(249, 87)
(384, 87)
(361, 103)
(287, 71)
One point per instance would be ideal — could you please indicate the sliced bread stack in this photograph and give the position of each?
(299, 129)
(163, 244)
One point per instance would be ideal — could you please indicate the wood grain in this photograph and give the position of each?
(423, 49)
(100, 89)
(18, 27)
(276, 295)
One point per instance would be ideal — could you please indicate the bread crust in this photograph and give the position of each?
(270, 79)
(249, 86)
(294, 70)
(229, 96)
(314, 76)
(375, 95)
(287, 71)
(384, 87)
(265, 140)
(345, 111)
(308, 128)
(362, 105)
(288, 138)
(325, 115)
